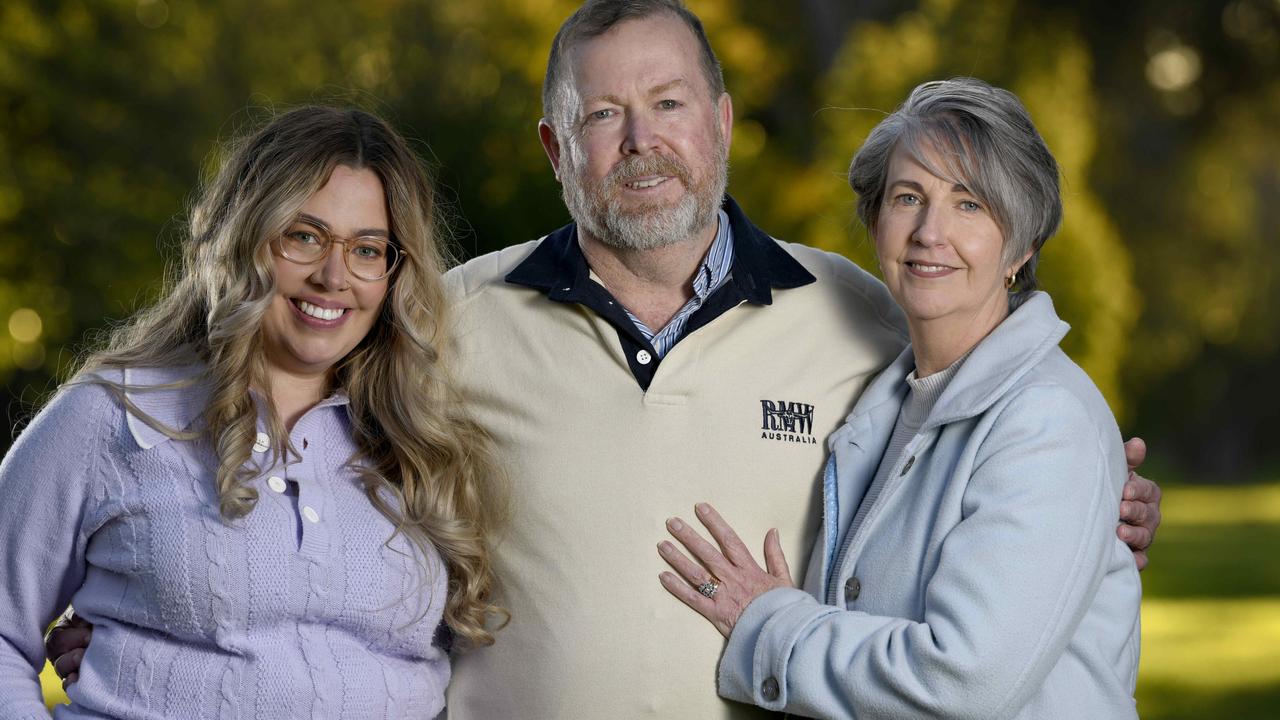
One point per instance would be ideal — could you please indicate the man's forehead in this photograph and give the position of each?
(651, 53)
(649, 88)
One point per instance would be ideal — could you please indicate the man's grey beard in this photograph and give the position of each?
(647, 227)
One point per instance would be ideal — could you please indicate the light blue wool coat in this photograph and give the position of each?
(990, 581)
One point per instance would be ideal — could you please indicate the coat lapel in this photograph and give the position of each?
(855, 449)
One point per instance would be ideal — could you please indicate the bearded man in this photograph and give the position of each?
(658, 351)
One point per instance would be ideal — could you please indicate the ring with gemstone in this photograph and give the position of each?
(709, 588)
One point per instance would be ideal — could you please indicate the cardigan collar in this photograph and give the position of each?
(176, 397)
(176, 407)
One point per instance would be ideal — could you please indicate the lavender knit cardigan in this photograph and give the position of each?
(303, 609)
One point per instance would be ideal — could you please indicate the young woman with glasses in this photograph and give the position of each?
(263, 492)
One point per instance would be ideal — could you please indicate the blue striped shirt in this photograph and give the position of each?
(713, 272)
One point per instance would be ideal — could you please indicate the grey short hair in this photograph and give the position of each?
(597, 17)
(985, 139)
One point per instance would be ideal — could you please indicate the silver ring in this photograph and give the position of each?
(708, 588)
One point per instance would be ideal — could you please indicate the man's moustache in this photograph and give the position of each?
(641, 166)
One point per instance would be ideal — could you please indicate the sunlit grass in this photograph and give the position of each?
(1211, 607)
(1210, 659)
(1210, 612)
(1206, 645)
(1210, 505)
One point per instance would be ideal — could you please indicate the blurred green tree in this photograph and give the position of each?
(1162, 116)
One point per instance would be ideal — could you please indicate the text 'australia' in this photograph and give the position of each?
(787, 421)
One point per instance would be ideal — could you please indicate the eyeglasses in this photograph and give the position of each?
(368, 257)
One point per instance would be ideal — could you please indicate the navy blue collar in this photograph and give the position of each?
(558, 267)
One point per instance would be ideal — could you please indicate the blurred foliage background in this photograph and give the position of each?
(1164, 116)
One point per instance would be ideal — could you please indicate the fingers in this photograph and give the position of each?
(730, 544)
(1138, 538)
(694, 573)
(706, 553)
(738, 583)
(64, 639)
(1140, 559)
(1133, 513)
(686, 594)
(700, 604)
(66, 636)
(1135, 452)
(67, 665)
(775, 560)
(1141, 506)
(1141, 489)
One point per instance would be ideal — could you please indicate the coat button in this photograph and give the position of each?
(910, 461)
(262, 442)
(310, 514)
(643, 357)
(275, 482)
(769, 689)
(852, 589)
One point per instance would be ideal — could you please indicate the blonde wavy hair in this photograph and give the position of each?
(425, 464)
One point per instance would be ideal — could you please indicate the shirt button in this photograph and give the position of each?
(769, 689)
(262, 443)
(910, 461)
(275, 482)
(852, 589)
(310, 514)
(643, 357)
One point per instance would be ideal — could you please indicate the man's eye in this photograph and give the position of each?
(601, 114)
(669, 104)
(970, 206)
(908, 199)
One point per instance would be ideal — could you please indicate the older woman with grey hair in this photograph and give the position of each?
(968, 566)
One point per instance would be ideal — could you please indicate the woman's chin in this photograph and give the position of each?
(305, 361)
(926, 312)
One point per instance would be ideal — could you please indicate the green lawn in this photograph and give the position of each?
(1211, 611)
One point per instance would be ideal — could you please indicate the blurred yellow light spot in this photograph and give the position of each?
(1242, 19)
(25, 325)
(1174, 68)
(153, 13)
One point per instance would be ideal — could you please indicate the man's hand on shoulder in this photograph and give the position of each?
(1139, 506)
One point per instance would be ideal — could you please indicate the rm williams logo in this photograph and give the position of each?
(787, 421)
